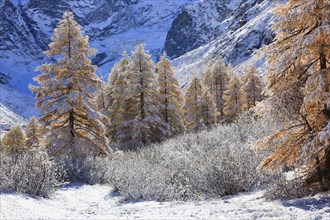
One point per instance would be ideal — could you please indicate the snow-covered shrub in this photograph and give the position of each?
(197, 165)
(284, 190)
(88, 169)
(31, 172)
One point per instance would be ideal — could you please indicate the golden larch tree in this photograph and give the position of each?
(141, 123)
(192, 105)
(233, 99)
(14, 141)
(117, 84)
(298, 80)
(171, 99)
(251, 89)
(64, 94)
(34, 134)
(215, 81)
(209, 111)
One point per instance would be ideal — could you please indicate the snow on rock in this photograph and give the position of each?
(247, 29)
(78, 201)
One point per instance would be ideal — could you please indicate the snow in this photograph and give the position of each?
(231, 46)
(15, 107)
(79, 201)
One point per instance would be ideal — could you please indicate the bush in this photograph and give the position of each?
(88, 169)
(31, 172)
(284, 189)
(193, 166)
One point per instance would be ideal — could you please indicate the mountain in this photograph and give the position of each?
(26, 28)
(242, 32)
(193, 32)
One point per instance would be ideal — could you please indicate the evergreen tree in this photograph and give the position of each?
(251, 88)
(232, 98)
(141, 123)
(34, 136)
(298, 65)
(216, 80)
(64, 94)
(170, 96)
(14, 140)
(192, 105)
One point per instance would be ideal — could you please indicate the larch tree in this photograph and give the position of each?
(14, 141)
(216, 80)
(233, 99)
(192, 105)
(101, 97)
(209, 112)
(251, 89)
(34, 134)
(64, 94)
(117, 85)
(107, 89)
(171, 99)
(299, 65)
(141, 123)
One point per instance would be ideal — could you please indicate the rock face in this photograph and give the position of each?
(15, 33)
(198, 24)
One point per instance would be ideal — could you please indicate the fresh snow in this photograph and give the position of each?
(79, 201)
(15, 107)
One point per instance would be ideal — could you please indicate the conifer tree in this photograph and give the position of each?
(170, 96)
(141, 123)
(251, 88)
(14, 140)
(101, 97)
(298, 65)
(118, 82)
(232, 98)
(209, 111)
(192, 105)
(34, 136)
(208, 81)
(64, 94)
(216, 80)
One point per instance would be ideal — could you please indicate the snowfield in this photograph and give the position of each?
(79, 201)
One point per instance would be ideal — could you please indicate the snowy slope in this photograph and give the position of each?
(247, 32)
(78, 201)
(15, 107)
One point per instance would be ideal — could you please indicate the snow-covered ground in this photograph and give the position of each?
(78, 201)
